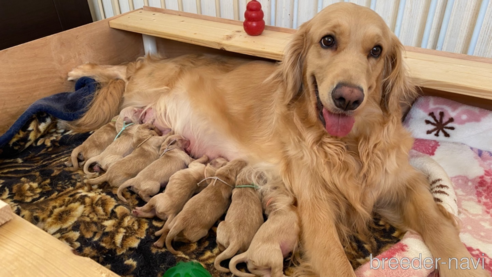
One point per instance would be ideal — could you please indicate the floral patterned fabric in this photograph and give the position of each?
(35, 181)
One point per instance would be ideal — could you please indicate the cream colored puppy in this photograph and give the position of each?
(275, 239)
(146, 142)
(149, 181)
(244, 217)
(180, 189)
(119, 148)
(93, 145)
(203, 210)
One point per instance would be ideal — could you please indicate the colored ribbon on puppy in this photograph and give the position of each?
(143, 142)
(167, 148)
(248, 186)
(123, 129)
(216, 178)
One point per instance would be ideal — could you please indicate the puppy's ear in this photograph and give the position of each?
(292, 65)
(398, 91)
(232, 168)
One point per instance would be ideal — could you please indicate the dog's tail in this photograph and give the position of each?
(99, 180)
(74, 159)
(88, 164)
(126, 184)
(105, 105)
(241, 258)
(175, 230)
(227, 254)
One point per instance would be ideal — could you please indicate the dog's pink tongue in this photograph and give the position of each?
(338, 125)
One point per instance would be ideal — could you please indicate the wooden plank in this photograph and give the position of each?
(29, 251)
(6, 213)
(446, 72)
(212, 34)
(39, 68)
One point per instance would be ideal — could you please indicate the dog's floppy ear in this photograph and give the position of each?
(398, 92)
(291, 67)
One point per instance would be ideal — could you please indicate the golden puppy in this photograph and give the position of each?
(129, 115)
(121, 146)
(203, 210)
(172, 159)
(93, 145)
(146, 142)
(275, 239)
(244, 217)
(180, 189)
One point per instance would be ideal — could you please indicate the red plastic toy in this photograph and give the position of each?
(254, 23)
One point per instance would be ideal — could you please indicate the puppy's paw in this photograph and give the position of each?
(80, 71)
(158, 244)
(136, 212)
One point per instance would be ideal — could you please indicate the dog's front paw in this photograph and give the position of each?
(80, 71)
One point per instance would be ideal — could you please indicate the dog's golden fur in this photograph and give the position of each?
(93, 145)
(243, 218)
(204, 209)
(267, 114)
(145, 144)
(148, 182)
(275, 239)
(180, 188)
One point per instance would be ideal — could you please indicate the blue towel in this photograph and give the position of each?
(67, 106)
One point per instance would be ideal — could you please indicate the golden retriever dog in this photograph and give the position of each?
(93, 145)
(327, 120)
(172, 158)
(243, 218)
(146, 142)
(201, 212)
(275, 239)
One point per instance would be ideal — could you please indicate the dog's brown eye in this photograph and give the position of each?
(327, 41)
(376, 51)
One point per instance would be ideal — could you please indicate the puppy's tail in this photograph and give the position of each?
(175, 230)
(74, 159)
(88, 164)
(227, 254)
(126, 184)
(241, 258)
(104, 106)
(98, 180)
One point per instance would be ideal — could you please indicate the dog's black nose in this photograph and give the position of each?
(347, 97)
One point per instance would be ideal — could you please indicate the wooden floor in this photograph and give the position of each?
(26, 250)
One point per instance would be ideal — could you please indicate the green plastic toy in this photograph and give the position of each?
(187, 269)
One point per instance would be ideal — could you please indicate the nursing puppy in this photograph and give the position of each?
(180, 189)
(129, 115)
(204, 209)
(244, 217)
(119, 148)
(173, 158)
(146, 142)
(275, 239)
(93, 145)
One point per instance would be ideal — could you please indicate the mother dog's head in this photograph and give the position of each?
(349, 65)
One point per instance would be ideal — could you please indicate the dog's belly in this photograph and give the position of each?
(204, 135)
